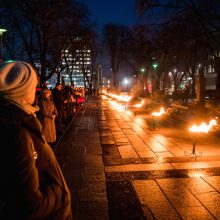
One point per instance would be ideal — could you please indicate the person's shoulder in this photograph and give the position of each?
(12, 132)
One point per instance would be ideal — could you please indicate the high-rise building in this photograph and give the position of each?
(76, 63)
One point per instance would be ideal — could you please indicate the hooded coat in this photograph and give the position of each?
(32, 185)
(47, 109)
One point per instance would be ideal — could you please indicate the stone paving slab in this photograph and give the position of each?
(118, 168)
(161, 166)
(127, 151)
(79, 153)
(169, 198)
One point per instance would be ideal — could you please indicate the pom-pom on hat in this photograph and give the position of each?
(18, 80)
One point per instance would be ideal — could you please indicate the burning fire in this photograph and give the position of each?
(124, 98)
(139, 105)
(203, 127)
(157, 114)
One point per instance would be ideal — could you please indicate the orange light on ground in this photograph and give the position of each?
(203, 127)
(104, 97)
(139, 105)
(157, 114)
(117, 106)
(125, 98)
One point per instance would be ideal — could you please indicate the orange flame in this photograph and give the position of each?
(139, 105)
(157, 114)
(125, 98)
(203, 127)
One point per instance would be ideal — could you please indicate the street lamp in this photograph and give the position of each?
(126, 82)
(141, 80)
(142, 69)
(155, 65)
(2, 30)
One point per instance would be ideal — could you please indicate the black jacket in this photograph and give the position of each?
(32, 185)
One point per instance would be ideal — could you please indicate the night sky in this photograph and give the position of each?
(113, 11)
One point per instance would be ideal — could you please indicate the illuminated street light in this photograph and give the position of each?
(155, 65)
(142, 70)
(2, 30)
(126, 82)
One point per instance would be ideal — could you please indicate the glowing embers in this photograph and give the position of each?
(158, 114)
(203, 127)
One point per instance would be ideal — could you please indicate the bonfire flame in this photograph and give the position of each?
(157, 114)
(124, 98)
(139, 105)
(203, 127)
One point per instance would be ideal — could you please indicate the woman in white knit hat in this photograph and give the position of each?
(32, 185)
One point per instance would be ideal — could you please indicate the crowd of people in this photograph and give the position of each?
(56, 106)
(182, 95)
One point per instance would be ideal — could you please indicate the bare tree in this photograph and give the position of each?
(115, 37)
(206, 15)
(40, 30)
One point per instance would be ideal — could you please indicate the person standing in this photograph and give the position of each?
(59, 101)
(32, 185)
(47, 115)
(185, 94)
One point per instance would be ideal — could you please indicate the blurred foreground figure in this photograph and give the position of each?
(32, 185)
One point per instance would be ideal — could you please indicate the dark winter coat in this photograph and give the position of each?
(32, 185)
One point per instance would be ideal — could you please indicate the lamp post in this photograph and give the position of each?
(2, 30)
(126, 83)
(141, 79)
(155, 65)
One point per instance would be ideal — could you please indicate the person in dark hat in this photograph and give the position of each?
(32, 185)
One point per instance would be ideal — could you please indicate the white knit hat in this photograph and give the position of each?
(18, 80)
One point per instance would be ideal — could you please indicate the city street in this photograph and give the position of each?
(118, 167)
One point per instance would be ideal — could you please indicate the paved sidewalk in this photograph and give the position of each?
(118, 168)
(79, 153)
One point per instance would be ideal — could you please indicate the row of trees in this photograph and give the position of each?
(39, 31)
(177, 34)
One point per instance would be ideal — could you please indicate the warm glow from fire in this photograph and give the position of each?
(157, 114)
(104, 97)
(139, 105)
(117, 106)
(203, 127)
(125, 98)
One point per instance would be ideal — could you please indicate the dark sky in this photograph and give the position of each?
(112, 11)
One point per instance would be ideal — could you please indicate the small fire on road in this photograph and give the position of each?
(157, 114)
(203, 127)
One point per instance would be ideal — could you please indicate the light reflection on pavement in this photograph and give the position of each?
(168, 184)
